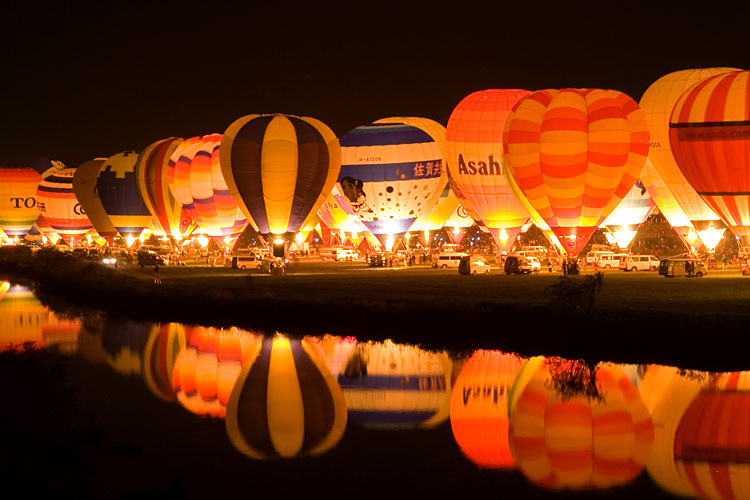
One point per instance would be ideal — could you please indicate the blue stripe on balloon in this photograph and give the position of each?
(49, 189)
(394, 382)
(391, 172)
(384, 135)
(203, 201)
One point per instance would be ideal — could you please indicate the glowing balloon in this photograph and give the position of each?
(280, 169)
(59, 206)
(84, 187)
(712, 442)
(389, 385)
(389, 173)
(151, 171)
(479, 408)
(118, 191)
(162, 348)
(657, 103)
(18, 210)
(206, 371)
(195, 179)
(632, 211)
(665, 200)
(574, 153)
(578, 442)
(709, 133)
(474, 149)
(286, 403)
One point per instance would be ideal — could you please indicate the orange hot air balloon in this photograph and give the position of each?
(657, 103)
(712, 442)
(474, 151)
(577, 442)
(709, 132)
(479, 408)
(205, 372)
(574, 154)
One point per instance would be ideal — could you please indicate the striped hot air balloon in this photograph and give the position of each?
(574, 154)
(60, 208)
(118, 191)
(632, 211)
(18, 210)
(194, 176)
(206, 371)
(151, 171)
(162, 348)
(577, 442)
(712, 441)
(280, 169)
(709, 133)
(389, 174)
(84, 187)
(479, 408)
(657, 103)
(285, 404)
(474, 145)
(394, 386)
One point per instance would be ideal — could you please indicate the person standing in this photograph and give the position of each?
(157, 279)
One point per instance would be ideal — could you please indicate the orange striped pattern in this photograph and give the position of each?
(709, 132)
(474, 136)
(712, 442)
(575, 154)
(579, 443)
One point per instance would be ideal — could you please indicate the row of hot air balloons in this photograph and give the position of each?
(563, 160)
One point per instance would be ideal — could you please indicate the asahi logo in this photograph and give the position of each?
(29, 202)
(490, 167)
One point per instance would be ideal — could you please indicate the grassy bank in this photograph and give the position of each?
(641, 317)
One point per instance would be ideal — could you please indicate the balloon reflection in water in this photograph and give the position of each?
(286, 403)
(712, 442)
(205, 372)
(390, 385)
(667, 392)
(580, 442)
(479, 408)
(162, 348)
(335, 351)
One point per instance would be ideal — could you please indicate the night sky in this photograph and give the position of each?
(79, 81)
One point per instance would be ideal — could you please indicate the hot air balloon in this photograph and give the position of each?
(118, 191)
(162, 348)
(577, 442)
(625, 220)
(335, 351)
(712, 441)
(458, 221)
(667, 393)
(657, 103)
(60, 208)
(389, 174)
(279, 169)
(479, 408)
(394, 386)
(124, 343)
(285, 403)
(18, 210)
(206, 371)
(667, 204)
(474, 150)
(151, 171)
(709, 133)
(84, 187)
(195, 179)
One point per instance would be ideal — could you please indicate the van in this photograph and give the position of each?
(670, 268)
(449, 260)
(610, 260)
(246, 261)
(518, 264)
(473, 264)
(339, 254)
(639, 263)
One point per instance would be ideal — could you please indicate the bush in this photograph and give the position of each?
(575, 295)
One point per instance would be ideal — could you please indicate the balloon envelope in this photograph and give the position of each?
(84, 187)
(118, 191)
(59, 206)
(18, 210)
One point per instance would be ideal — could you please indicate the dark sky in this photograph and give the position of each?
(80, 81)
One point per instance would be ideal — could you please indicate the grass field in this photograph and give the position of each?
(636, 317)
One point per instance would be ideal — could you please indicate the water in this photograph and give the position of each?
(113, 408)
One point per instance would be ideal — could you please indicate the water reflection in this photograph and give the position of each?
(560, 424)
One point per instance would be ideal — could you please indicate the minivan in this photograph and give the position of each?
(610, 260)
(515, 264)
(670, 268)
(639, 263)
(473, 264)
(452, 260)
(246, 261)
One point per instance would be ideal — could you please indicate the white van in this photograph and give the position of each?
(610, 260)
(246, 261)
(639, 263)
(449, 260)
(339, 254)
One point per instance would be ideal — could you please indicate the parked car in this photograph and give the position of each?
(473, 264)
(610, 260)
(449, 260)
(670, 268)
(246, 261)
(515, 264)
(273, 265)
(639, 263)
(148, 258)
